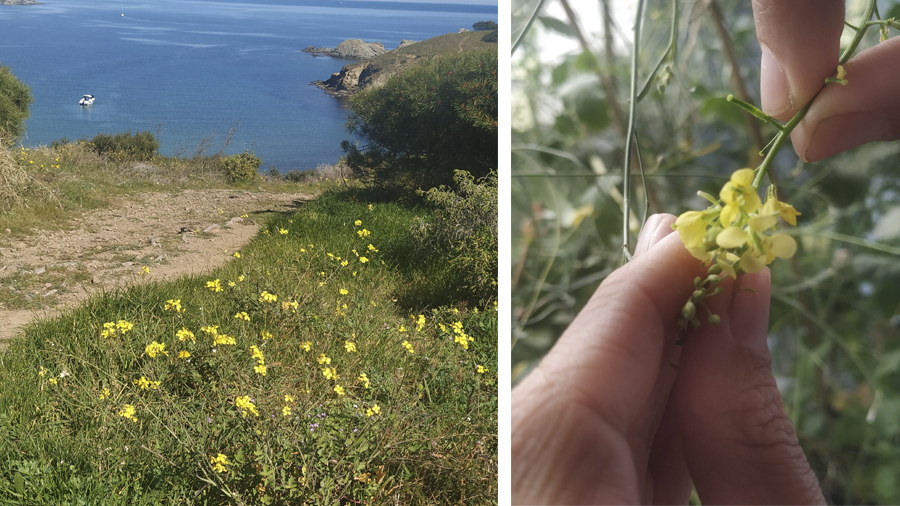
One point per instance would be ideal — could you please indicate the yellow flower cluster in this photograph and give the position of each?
(733, 236)
(364, 379)
(128, 412)
(214, 286)
(350, 346)
(111, 329)
(246, 405)
(174, 305)
(219, 462)
(459, 335)
(374, 410)
(146, 384)
(268, 297)
(185, 335)
(260, 360)
(408, 347)
(153, 349)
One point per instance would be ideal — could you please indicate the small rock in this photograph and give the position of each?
(96, 280)
(48, 285)
(128, 264)
(234, 220)
(40, 270)
(159, 258)
(155, 241)
(211, 228)
(51, 292)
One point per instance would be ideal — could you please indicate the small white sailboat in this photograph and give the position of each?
(86, 100)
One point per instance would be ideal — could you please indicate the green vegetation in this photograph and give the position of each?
(241, 168)
(302, 381)
(45, 187)
(834, 322)
(426, 122)
(483, 26)
(126, 146)
(15, 99)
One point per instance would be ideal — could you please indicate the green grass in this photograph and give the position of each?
(433, 442)
(45, 187)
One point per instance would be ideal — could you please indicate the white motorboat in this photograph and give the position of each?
(86, 100)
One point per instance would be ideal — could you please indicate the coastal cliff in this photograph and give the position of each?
(376, 69)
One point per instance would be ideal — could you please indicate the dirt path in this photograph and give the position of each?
(172, 233)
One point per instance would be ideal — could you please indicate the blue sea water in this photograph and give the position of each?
(191, 69)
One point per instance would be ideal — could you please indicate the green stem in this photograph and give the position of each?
(629, 138)
(858, 36)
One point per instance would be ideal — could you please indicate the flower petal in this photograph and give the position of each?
(732, 237)
(751, 261)
(782, 245)
(743, 177)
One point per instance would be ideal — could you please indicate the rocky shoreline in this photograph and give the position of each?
(357, 75)
(19, 2)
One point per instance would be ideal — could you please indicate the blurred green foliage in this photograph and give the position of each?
(15, 100)
(835, 317)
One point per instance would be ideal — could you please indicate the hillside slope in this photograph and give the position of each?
(376, 70)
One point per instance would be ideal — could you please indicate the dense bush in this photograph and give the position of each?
(484, 26)
(465, 223)
(241, 168)
(125, 146)
(424, 123)
(15, 98)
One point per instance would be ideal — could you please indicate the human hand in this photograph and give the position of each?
(800, 45)
(605, 418)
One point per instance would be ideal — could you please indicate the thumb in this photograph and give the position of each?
(739, 444)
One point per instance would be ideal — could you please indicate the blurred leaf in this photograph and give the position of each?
(890, 363)
(557, 25)
(560, 73)
(719, 108)
(582, 94)
(587, 61)
(888, 227)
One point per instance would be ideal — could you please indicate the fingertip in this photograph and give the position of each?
(655, 229)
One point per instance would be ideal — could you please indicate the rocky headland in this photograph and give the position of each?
(19, 2)
(377, 68)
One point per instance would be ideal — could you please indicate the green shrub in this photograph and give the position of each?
(426, 122)
(465, 222)
(125, 146)
(241, 168)
(15, 98)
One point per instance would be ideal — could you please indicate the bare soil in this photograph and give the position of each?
(171, 233)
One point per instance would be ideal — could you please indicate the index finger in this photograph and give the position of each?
(800, 46)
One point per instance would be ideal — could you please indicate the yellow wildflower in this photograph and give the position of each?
(363, 260)
(267, 297)
(246, 405)
(323, 359)
(339, 390)
(408, 347)
(286, 411)
(153, 349)
(374, 410)
(306, 345)
(364, 379)
(738, 194)
(482, 369)
(350, 346)
(146, 384)
(214, 286)
(128, 412)
(104, 394)
(357, 222)
(174, 305)
(265, 335)
(242, 316)
(184, 354)
(219, 462)
(185, 334)
(224, 339)
(260, 369)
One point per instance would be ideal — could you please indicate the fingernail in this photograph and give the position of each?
(774, 90)
(749, 315)
(839, 133)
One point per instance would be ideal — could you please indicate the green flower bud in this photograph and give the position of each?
(715, 269)
(717, 291)
(713, 279)
(714, 319)
(695, 323)
(698, 281)
(689, 311)
(698, 294)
